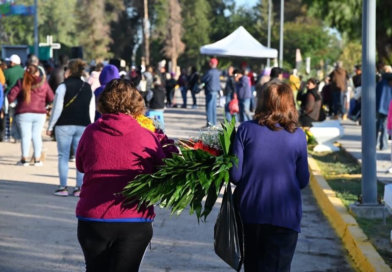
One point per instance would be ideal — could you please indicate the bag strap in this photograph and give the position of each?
(76, 96)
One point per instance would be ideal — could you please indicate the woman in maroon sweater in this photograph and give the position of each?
(112, 151)
(33, 94)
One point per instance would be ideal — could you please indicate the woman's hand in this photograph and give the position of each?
(49, 133)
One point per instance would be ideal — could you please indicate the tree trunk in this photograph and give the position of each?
(174, 64)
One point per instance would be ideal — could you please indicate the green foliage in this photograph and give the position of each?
(186, 179)
(351, 55)
(346, 16)
(197, 26)
(312, 39)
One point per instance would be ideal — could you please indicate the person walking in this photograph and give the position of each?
(113, 233)
(194, 85)
(182, 82)
(229, 91)
(170, 89)
(109, 72)
(338, 79)
(311, 104)
(73, 110)
(244, 94)
(12, 75)
(33, 94)
(57, 75)
(93, 80)
(383, 99)
(212, 87)
(269, 183)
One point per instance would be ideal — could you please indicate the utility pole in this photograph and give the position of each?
(269, 28)
(281, 33)
(36, 28)
(369, 170)
(146, 34)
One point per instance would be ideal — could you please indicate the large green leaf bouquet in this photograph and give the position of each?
(198, 172)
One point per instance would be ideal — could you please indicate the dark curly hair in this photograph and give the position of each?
(121, 96)
(277, 107)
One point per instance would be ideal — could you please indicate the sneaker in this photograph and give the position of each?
(194, 106)
(183, 107)
(76, 191)
(61, 191)
(23, 162)
(389, 171)
(38, 163)
(72, 159)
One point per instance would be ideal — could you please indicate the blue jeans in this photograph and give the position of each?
(184, 92)
(211, 108)
(244, 113)
(382, 130)
(67, 136)
(339, 102)
(30, 126)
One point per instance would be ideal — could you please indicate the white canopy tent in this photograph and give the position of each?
(239, 44)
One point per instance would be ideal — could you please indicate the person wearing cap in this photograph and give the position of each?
(212, 86)
(14, 73)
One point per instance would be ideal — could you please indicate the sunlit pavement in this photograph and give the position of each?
(38, 230)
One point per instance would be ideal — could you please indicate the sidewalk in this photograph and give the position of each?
(352, 142)
(38, 230)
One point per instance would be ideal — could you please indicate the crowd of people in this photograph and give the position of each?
(93, 120)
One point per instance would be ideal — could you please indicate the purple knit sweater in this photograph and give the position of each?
(272, 170)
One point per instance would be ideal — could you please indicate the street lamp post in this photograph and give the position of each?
(369, 172)
(36, 28)
(269, 28)
(281, 33)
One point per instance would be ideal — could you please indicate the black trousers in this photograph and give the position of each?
(113, 247)
(268, 248)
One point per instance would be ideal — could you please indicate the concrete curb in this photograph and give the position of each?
(364, 255)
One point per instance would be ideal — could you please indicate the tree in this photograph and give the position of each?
(351, 55)
(313, 40)
(346, 16)
(124, 32)
(173, 46)
(196, 14)
(93, 22)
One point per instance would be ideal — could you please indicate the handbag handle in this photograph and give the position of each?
(76, 96)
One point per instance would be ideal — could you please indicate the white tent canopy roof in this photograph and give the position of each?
(239, 44)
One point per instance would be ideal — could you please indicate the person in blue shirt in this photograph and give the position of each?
(244, 94)
(272, 170)
(383, 98)
(212, 87)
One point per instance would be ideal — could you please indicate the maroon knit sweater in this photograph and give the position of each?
(111, 152)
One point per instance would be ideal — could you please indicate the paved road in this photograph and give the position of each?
(38, 230)
(352, 142)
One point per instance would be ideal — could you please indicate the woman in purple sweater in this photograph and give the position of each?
(112, 152)
(272, 170)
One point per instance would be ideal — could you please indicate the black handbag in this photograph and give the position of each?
(228, 232)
